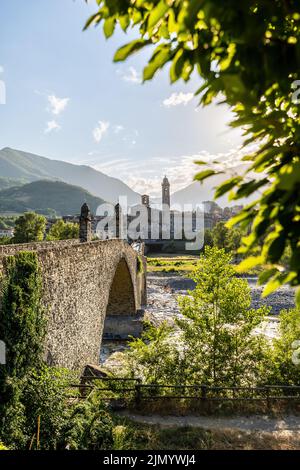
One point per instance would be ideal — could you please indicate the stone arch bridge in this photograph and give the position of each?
(87, 288)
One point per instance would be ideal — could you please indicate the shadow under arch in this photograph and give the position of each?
(122, 319)
(121, 295)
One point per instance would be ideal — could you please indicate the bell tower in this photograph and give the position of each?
(166, 191)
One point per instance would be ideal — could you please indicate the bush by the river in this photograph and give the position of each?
(213, 342)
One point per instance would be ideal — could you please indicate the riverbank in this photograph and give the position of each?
(189, 433)
(163, 291)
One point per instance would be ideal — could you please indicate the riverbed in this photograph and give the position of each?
(164, 289)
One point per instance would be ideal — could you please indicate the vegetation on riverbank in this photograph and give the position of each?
(130, 435)
(213, 342)
(172, 265)
(41, 410)
(36, 409)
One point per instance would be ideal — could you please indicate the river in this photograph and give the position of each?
(163, 290)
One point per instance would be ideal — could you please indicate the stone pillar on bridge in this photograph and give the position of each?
(85, 224)
(118, 215)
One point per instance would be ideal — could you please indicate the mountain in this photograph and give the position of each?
(10, 182)
(195, 193)
(198, 192)
(29, 167)
(45, 197)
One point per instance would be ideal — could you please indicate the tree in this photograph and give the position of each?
(214, 342)
(234, 239)
(220, 236)
(153, 357)
(226, 238)
(5, 240)
(218, 323)
(22, 328)
(63, 231)
(247, 55)
(208, 237)
(29, 389)
(284, 356)
(29, 227)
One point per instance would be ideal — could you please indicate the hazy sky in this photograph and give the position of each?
(67, 100)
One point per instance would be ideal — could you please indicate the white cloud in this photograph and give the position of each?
(118, 128)
(100, 130)
(132, 76)
(177, 99)
(180, 170)
(57, 105)
(52, 126)
(1, 69)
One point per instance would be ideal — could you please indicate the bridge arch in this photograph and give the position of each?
(84, 284)
(121, 299)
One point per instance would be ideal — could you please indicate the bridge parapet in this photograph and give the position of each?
(81, 281)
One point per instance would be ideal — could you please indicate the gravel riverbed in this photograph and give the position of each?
(164, 288)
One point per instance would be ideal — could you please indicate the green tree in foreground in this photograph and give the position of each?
(218, 324)
(247, 54)
(63, 231)
(285, 354)
(30, 391)
(153, 357)
(22, 328)
(29, 227)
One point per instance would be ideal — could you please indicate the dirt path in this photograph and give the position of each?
(288, 423)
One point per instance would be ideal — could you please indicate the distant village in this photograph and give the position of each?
(213, 214)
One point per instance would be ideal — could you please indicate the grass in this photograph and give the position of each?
(172, 264)
(185, 407)
(129, 435)
(166, 263)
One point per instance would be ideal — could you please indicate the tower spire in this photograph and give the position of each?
(165, 191)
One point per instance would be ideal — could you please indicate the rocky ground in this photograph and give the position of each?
(239, 423)
(164, 289)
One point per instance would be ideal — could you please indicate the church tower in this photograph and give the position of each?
(166, 191)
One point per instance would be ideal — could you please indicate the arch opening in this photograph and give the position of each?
(121, 319)
(121, 296)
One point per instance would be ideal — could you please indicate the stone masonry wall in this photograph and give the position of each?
(77, 279)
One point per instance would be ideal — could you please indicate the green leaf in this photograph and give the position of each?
(272, 286)
(157, 13)
(157, 61)
(277, 281)
(204, 174)
(129, 49)
(250, 187)
(227, 186)
(93, 19)
(249, 263)
(177, 66)
(265, 275)
(297, 298)
(276, 248)
(109, 27)
(124, 22)
(237, 219)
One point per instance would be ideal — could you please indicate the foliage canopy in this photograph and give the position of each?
(248, 55)
(214, 343)
(29, 227)
(63, 231)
